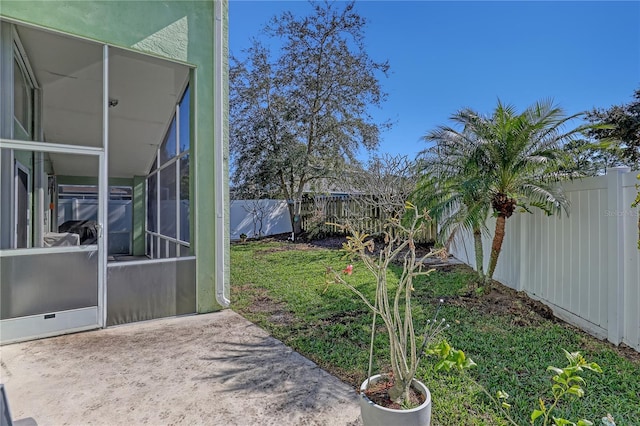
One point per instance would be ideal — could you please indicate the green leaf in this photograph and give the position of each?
(502, 395)
(558, 371)
(561, 422)
(584, 422)
(535, 414)
(440, 365)
(576, 390)
(569, 356)
(593, 367)
(469, 363)
(576, 379)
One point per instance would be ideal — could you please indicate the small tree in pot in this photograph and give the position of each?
(392, 302)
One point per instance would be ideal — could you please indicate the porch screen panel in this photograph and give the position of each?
(152, 214)
(22, 212)
(146, 290)
(168, 201)
(168, 147)
(184, 199)
(49, 282)
(120, 220)
(185, 119)
(21, 98)
(152, 203)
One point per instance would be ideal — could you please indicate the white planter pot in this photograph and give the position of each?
(376, 415)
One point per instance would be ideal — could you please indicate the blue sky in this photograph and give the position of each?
(445, 56)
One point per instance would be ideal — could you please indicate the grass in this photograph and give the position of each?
(281, 287)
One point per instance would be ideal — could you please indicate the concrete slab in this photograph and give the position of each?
(213, 369)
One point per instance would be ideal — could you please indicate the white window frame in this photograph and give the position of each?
(19, 167)
(20, 56)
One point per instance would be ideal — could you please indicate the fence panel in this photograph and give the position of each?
(327, 212)
(631, 262)
(586, 266)
(258, 218)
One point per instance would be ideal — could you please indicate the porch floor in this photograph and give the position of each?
(212, 369)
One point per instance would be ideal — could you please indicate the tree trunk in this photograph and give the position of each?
(477, 242)
(295, 207)
(496, 246)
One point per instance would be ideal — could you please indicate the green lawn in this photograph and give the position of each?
(281, 287)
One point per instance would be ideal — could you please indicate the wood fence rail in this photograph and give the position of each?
(325, 214)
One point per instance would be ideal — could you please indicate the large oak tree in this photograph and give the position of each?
(300, 112)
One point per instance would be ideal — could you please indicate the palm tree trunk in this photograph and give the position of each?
(496, 246)
(477, 242)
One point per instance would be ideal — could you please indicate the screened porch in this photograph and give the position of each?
(95, 185)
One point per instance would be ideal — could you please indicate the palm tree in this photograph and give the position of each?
(453, 193)
(513, 160)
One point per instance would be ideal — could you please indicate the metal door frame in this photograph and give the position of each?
(11, 326)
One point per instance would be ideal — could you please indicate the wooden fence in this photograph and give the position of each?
(324, 214)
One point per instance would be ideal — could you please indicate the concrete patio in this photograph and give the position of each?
(213, 369)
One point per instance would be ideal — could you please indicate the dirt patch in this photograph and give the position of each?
(275, 311)
(628, 352)
(329, 242)
(286, 247)
(378, 392)
(503, 300)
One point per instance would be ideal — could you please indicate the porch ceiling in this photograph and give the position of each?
(69, 72)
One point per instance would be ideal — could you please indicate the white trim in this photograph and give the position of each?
(47, 250)
(158, 202)
(48, 147)
(218, 162)
(171, 239)
(178, 204)
(103, 194)
(32, 327)
(149, 261)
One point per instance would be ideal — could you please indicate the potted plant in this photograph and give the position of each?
(407, 400)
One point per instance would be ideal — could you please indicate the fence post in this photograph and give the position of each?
(615, 253)
(525, 257)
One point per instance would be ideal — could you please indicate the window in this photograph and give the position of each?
(22, 96)
(168, 203)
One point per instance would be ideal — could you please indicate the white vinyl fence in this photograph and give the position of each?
(258, 218)
(586, 266)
